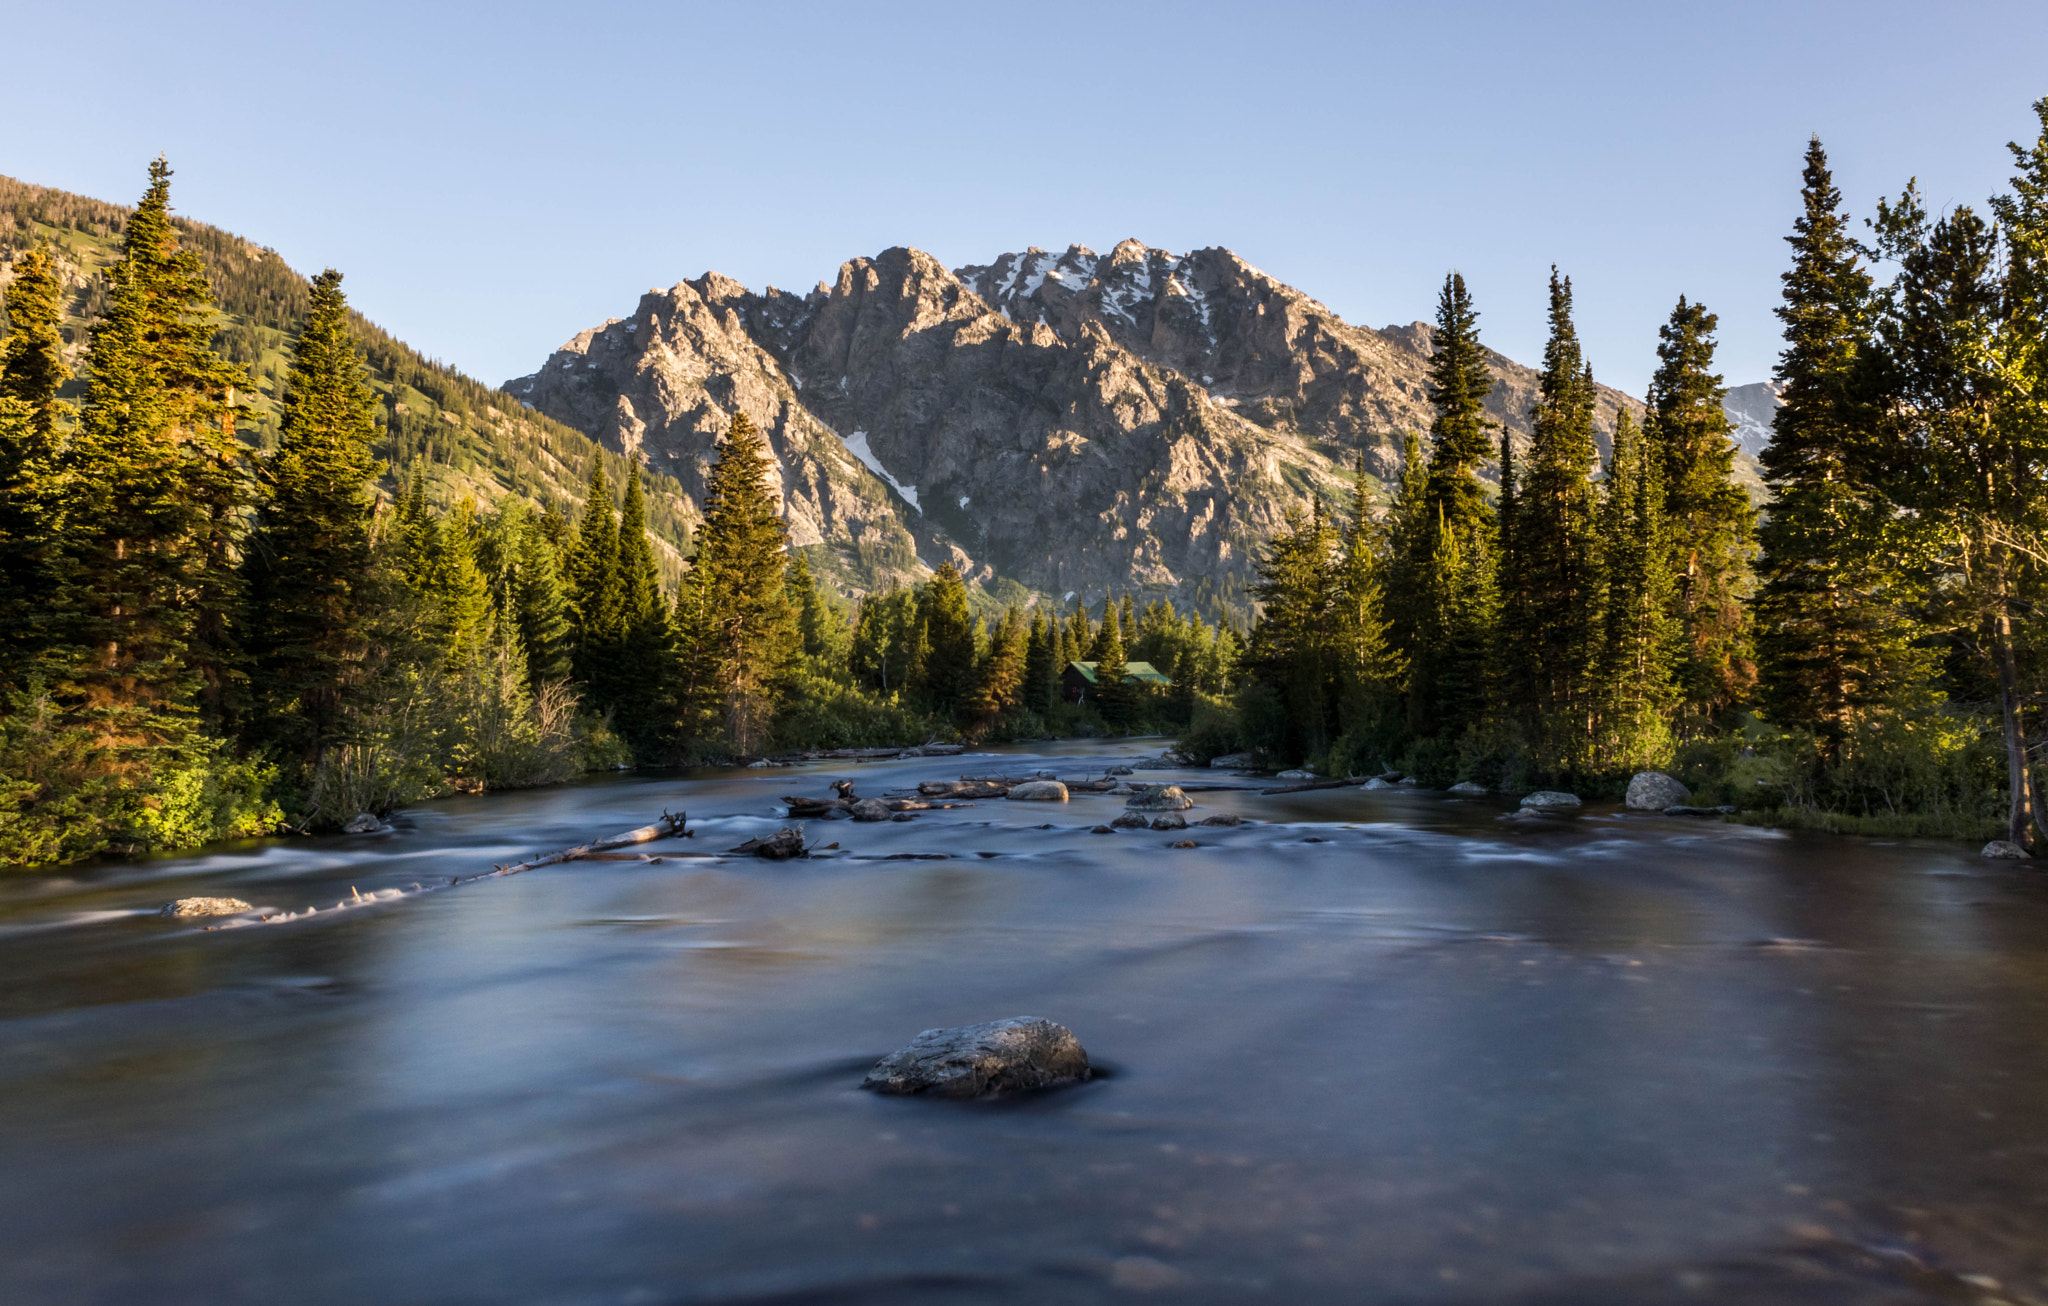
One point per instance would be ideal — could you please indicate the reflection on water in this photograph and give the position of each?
(1434, 1057)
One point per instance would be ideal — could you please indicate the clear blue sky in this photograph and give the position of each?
(493, 178)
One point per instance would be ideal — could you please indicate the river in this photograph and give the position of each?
(1368, 1047)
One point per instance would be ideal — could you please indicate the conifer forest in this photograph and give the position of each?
(214, 626)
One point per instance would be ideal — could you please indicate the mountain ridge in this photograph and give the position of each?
(1053, 424)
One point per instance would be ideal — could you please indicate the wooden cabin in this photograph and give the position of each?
(1078, 681)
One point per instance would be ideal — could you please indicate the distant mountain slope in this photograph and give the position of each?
(467, 438)
(1752, 408)
(1056, 424)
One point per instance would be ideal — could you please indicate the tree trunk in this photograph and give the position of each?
(2019, 776)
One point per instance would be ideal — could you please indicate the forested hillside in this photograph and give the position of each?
(464, 438)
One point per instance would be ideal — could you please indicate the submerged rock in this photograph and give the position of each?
(1129, 821)
(1680, 809)
(1170, 821)
(872, 809)
(1550, 800)
(1184, 843)
(1653, 791)
(185, 907)
(902, 816)
(1100, 829)
(1039, 791)
(2004, 848)
(1469, 788)
(1232, 761)
(364, 823)
(1159, 798)
(1222, 818)
(1377, 783)
(999, 1056)
(1301, 773)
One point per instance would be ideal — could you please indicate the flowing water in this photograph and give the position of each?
(1371, 1047)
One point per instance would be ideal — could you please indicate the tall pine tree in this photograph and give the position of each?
(1556, 539)
(31, 370)
(1833, 640)
(745, 642)
(1641, 638)
(155, 482)
(1709, 525)
(308, 613)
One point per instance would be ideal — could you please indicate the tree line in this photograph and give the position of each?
(1867, 645)
(201, 639)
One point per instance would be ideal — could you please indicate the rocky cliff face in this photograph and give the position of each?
(1060, 423)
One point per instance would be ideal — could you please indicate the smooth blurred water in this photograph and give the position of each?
(1433, 1057)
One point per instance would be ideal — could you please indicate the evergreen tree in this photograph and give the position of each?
(540, 604)
(1642, 640)
(307, 566)
(598, 593)
(1041, 665)
(1371, 671)
(1710, 526)
(468, 622)
(1833, 639)
(1966, 447)
(945, 677)
(640, 677)
(1556, 538)
(1459, 382)
(1290, 656)
(155, 483)
(746, 640)
(31, 370)
(1115, 694)
(827, 636)
(32, 356)
(999, 684)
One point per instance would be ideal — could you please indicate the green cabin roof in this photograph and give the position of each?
(1144, 671)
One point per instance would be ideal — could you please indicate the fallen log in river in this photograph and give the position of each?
(595, 850)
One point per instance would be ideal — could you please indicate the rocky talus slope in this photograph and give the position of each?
(1058, 423)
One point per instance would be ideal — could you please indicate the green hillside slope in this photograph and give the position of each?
(464, 437)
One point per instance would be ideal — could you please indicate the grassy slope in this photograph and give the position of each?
(465, 437)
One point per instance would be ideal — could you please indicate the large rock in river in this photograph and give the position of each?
(204, 907)
(1039, 791)
(872, 809)
(1653, 791)
(1550, 800)
(998, 1056)
(1159, 798)
(2004, 848)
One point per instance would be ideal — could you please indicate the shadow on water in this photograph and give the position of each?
(1369, 1047)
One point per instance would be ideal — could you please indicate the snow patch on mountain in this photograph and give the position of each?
(857, 445)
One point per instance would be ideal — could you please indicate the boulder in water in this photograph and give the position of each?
(186, 907)
(1300, 773)
(1169, 821)
(871, 809)
(1232, 761)
(1100, 829)
(364, 823)
(1130, 821)
(1039, 791)
(2004, 848)
(1550, 800)
(1159, 798)
(1468, 788)
(999, 1056)
(1222, 818)
(1377, 783)
(1653, 791)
